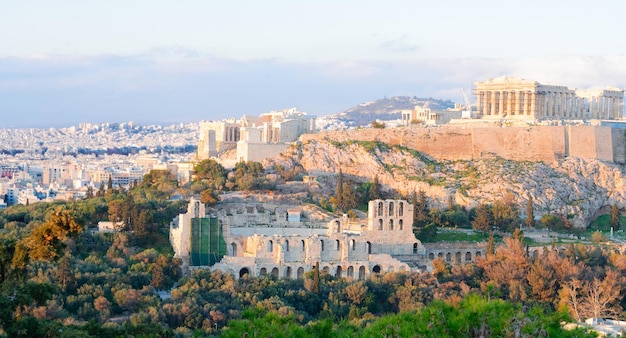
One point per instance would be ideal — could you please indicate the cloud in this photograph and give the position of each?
(399, 45)
(184, 86)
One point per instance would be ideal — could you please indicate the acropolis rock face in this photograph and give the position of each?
(571, 177)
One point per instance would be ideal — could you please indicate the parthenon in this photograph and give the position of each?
(513, 98)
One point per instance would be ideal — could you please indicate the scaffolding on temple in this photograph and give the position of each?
(207, 245)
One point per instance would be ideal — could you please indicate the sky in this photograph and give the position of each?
(65, 62)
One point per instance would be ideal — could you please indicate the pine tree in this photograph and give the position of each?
(490, 245)
(374, 192)
(339, 190)
(316, 278)
(530, 213)
(483, 219)
(615, 221)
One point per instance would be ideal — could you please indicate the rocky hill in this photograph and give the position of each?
(383, 109)
(574, 188)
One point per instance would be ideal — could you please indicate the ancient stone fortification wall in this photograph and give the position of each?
(533, 143)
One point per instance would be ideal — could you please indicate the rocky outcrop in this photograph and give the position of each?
(572, 187)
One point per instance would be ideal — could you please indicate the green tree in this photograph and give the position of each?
(421, 209)
(615, 221)
(530, 213)
(211, 172)
(339, 190)
(483, 220)
(374, 192)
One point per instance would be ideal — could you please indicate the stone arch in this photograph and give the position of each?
(431, 256)
(270, 246)
(350, 272)
(288, 272)
(362, 272)
(401, 209)
(448, 257)
(380, 209)
(391, 211)
(402, 268)
(414, 248)
(368, 247)
(300, 272)
(232, 249)
(457, 256)
(337, 245)
(391, 224)
(338, 272)
(275, 272)
(400, 225)
(325, 270)
(478, 254)
(468, 256)
(244, 272)
(376, 269)
(390, 269)
(263, 272)
(440, 255)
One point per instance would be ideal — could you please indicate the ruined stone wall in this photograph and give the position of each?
(529, 143)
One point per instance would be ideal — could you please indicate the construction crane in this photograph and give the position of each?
(467, 112)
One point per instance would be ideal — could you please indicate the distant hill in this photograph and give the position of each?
(382, 109)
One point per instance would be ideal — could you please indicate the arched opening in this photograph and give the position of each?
(376, 269)
(300, 272)
(303, 245)
(400, 225)
(440, 255)
(468, 256)
(270, 246)
(401, 209)
(322, 245)
(353, 244)
(286, 245)
(362, 272)
(337, 227)
(478, 253)
(325, 270)
(338, 245)
(288, 272)
(391, 224)
(380, 224)
(448, 257)
(380, 209)
(244, 272)
(275, 272)
(414, 248)
(232, 249)
(338, 272)
(402, 268)
(391, 211)
(350, 272)
(368, 247)
(457, 256)
(431, 256)
(263, 272)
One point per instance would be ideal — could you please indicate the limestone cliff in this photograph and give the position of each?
(573, 187)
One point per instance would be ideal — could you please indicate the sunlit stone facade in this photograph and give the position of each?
(512, 98)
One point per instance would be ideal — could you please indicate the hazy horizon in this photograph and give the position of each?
(69, 62)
